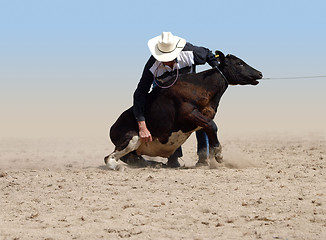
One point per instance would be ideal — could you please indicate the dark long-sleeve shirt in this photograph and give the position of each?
(189, 57)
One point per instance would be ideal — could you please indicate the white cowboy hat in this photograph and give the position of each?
(166, 47)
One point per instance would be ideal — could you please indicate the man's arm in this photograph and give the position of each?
(202, 55)
(140, 94)
(142, 90)
(144, 133)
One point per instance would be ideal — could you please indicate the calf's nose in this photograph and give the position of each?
(260, 74)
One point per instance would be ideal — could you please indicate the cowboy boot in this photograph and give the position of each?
(203, 159)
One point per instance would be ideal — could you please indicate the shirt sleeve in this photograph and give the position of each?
(202, 55)
(142, 90)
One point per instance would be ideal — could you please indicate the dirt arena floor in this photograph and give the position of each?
(269, 187)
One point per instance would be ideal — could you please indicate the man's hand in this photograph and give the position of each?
(144, 133)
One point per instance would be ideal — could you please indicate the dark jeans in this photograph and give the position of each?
(202, 143)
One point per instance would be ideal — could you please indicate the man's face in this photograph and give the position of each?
(167, 63)
(170, 63)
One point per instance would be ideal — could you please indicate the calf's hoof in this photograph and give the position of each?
(216, 153)
(111, 163)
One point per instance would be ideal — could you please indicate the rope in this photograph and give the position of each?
(158, 84)
(294, 77)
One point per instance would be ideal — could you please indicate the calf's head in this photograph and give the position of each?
(236, 71)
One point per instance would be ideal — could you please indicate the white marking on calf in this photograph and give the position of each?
(112, 162)
(156, 148)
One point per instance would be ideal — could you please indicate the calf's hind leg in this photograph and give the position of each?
(112, 160)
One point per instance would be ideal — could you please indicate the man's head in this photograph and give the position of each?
(166, 47)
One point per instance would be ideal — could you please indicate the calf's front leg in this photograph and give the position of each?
(210, 128)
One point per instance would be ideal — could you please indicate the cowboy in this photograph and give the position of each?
(170, 54)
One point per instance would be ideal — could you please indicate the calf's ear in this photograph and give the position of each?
(220, 57)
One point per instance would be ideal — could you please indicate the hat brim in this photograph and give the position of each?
(165, 57)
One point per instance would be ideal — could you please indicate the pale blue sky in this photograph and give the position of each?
(72, 66)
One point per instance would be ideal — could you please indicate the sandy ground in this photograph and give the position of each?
(270, 187)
